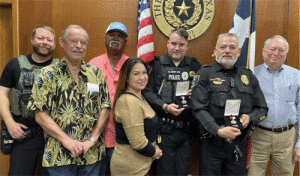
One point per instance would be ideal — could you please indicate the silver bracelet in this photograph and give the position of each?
(91, 138)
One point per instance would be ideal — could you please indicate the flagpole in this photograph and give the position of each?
(252, 51)
(252, 40)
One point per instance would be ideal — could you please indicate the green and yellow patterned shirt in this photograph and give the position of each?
(75, 108)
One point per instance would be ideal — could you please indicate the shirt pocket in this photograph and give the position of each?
(218, 95)
(291, 92)
(246, 94)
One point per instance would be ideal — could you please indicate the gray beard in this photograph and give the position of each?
(226, 63)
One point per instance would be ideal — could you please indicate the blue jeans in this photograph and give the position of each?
(71, 170)
(105, 161)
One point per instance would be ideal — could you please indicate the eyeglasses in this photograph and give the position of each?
(280, 51)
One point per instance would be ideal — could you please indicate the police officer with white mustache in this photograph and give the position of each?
(227, 101)
(167, 78)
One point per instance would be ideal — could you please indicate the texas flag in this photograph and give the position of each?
(243, 25)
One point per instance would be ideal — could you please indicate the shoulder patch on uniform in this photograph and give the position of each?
(195, 81)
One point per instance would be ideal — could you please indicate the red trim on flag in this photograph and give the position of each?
(145, 22)
(144, 40)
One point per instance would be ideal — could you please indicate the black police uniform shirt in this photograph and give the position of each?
(214, 86)
(155, 81)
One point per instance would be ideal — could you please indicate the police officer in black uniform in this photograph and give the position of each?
(169, 75)
(18, 77)
(216, 86)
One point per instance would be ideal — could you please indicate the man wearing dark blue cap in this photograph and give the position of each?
(110, 64)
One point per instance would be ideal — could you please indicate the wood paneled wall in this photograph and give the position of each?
(272, 17)
(32, 13)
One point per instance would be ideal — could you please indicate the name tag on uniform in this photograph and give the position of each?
(174, 75)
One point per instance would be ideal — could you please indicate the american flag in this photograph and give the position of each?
(145, 46)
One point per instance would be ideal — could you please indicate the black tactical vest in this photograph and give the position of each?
(167, 91)
(22, 92)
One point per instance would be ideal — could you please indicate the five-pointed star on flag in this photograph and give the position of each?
(242, 30)
(183, 9)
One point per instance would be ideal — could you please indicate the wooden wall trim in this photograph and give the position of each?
(15, 17)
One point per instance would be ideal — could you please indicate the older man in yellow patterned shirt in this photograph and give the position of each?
(72, 104)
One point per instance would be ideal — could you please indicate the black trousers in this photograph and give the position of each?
(177, 149)
(25, 155)
(221, 160)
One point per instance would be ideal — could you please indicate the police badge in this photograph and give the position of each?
(192, 73)
(184, 76)
(245, 79)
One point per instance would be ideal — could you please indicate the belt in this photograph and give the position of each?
(217, 141)
(278, 130)
(178, 124)
(36, 130)
(181, 124)
(31, 132)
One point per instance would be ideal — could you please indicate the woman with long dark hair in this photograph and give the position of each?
(136, 122)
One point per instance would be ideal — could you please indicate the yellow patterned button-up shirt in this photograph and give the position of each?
(74, 107)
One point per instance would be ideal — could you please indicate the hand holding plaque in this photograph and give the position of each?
(182, 98)
(232, 108)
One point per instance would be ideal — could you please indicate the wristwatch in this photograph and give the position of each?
(91, 138)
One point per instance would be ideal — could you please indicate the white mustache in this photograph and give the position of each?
(117, 42)
(77, 50)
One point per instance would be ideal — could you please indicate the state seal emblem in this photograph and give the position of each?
(193, 15)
